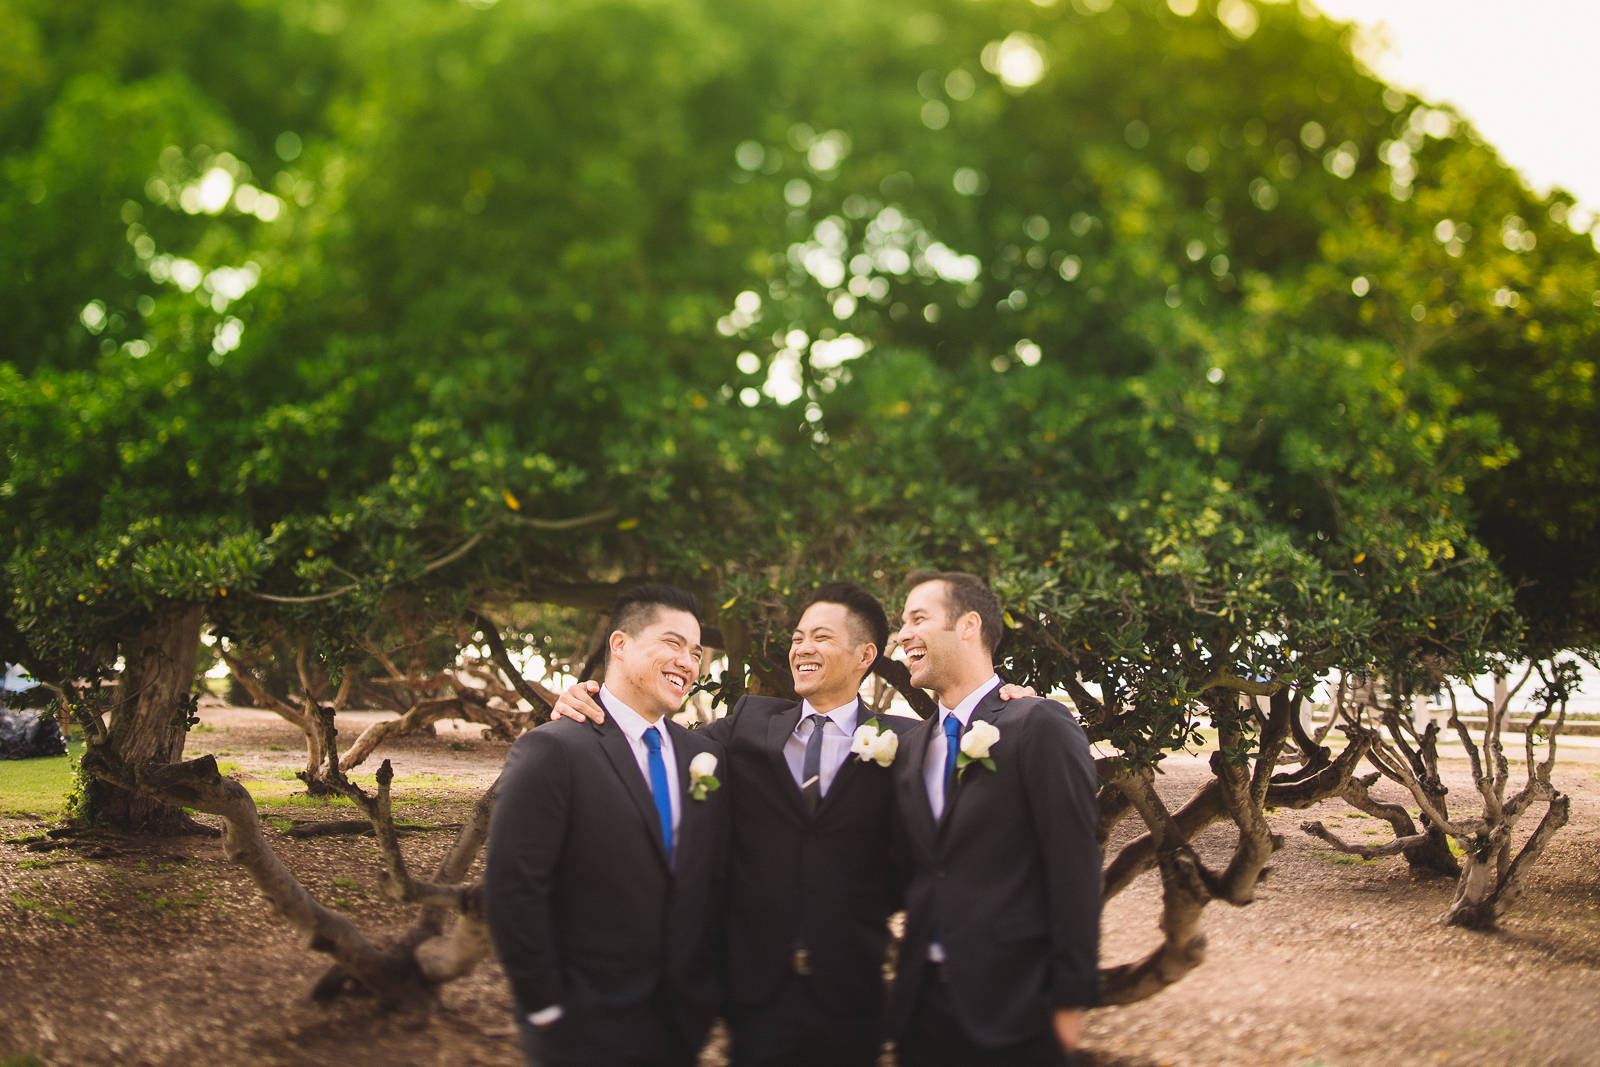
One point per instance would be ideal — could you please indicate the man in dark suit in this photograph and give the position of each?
(606, 857)
(997, 810)
(810, 885)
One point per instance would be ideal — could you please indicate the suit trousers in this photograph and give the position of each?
(935, 1038)
(792, 1030)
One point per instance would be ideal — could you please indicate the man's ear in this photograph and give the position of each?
(617, 641)
(971, 626)
(869, 655)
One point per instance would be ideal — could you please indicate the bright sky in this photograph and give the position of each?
(1524, 71)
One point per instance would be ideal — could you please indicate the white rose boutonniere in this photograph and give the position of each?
(703, 775)
(975, 745)
(870, 742)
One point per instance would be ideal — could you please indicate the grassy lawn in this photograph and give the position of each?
(36, 786)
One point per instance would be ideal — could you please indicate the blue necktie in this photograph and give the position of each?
(952, 745)
(658, 786)
(811, 766)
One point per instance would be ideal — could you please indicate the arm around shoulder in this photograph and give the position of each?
(721, 730)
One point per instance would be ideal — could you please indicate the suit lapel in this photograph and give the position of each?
(851, 768)
(779, 727)
(988, 710)
(684, 749)
(614, 743)
(913, 790)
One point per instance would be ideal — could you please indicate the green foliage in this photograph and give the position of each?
(77, 799)
(1230, 367)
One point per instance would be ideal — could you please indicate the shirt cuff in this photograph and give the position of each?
(545, 1016)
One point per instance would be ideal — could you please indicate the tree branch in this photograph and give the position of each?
(541, 699)
(1366, 852)
(898, 675)
(432, 565)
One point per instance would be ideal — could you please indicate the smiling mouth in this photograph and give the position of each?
(807, 668)
(677, 681)
(915, 655)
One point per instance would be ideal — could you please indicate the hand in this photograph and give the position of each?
(1011, 691)
(1069, 1028)
(578, 703)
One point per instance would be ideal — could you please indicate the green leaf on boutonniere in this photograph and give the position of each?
(964, 761)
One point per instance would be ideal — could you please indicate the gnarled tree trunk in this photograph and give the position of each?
(147, 718)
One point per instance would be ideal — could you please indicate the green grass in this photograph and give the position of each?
(174, 902)
(37, 786)
(45, 910)
(292, 795)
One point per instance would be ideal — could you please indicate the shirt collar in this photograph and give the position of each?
(963, 711)
(630, 722)
(843, 716)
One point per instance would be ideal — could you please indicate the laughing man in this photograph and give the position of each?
(996, 805)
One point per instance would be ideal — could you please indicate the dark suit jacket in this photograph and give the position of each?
(585, 910)
(1009, 876)
(819, 881)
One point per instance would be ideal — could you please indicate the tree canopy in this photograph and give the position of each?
(1227, 362)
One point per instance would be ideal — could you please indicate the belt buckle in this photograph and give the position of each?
(800, 960)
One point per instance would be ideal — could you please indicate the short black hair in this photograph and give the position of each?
(963, 593)
(867, 617)
(637, 608)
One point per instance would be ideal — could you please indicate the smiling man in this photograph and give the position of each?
(996, 805)
(606, 857)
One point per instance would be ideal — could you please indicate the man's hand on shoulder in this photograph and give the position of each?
(578, 703)
(1012, 691)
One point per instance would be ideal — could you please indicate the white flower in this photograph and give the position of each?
(884, 747)
(871, 743)
(703, 775)
(979, 739)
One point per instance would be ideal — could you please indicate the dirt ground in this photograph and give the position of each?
(118, 952)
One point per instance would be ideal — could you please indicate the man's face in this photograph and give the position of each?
(656, 666)
(825, 656)
(927, 635)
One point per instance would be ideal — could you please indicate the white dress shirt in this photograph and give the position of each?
(837, 734)
(633, 726)
(933, 769)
